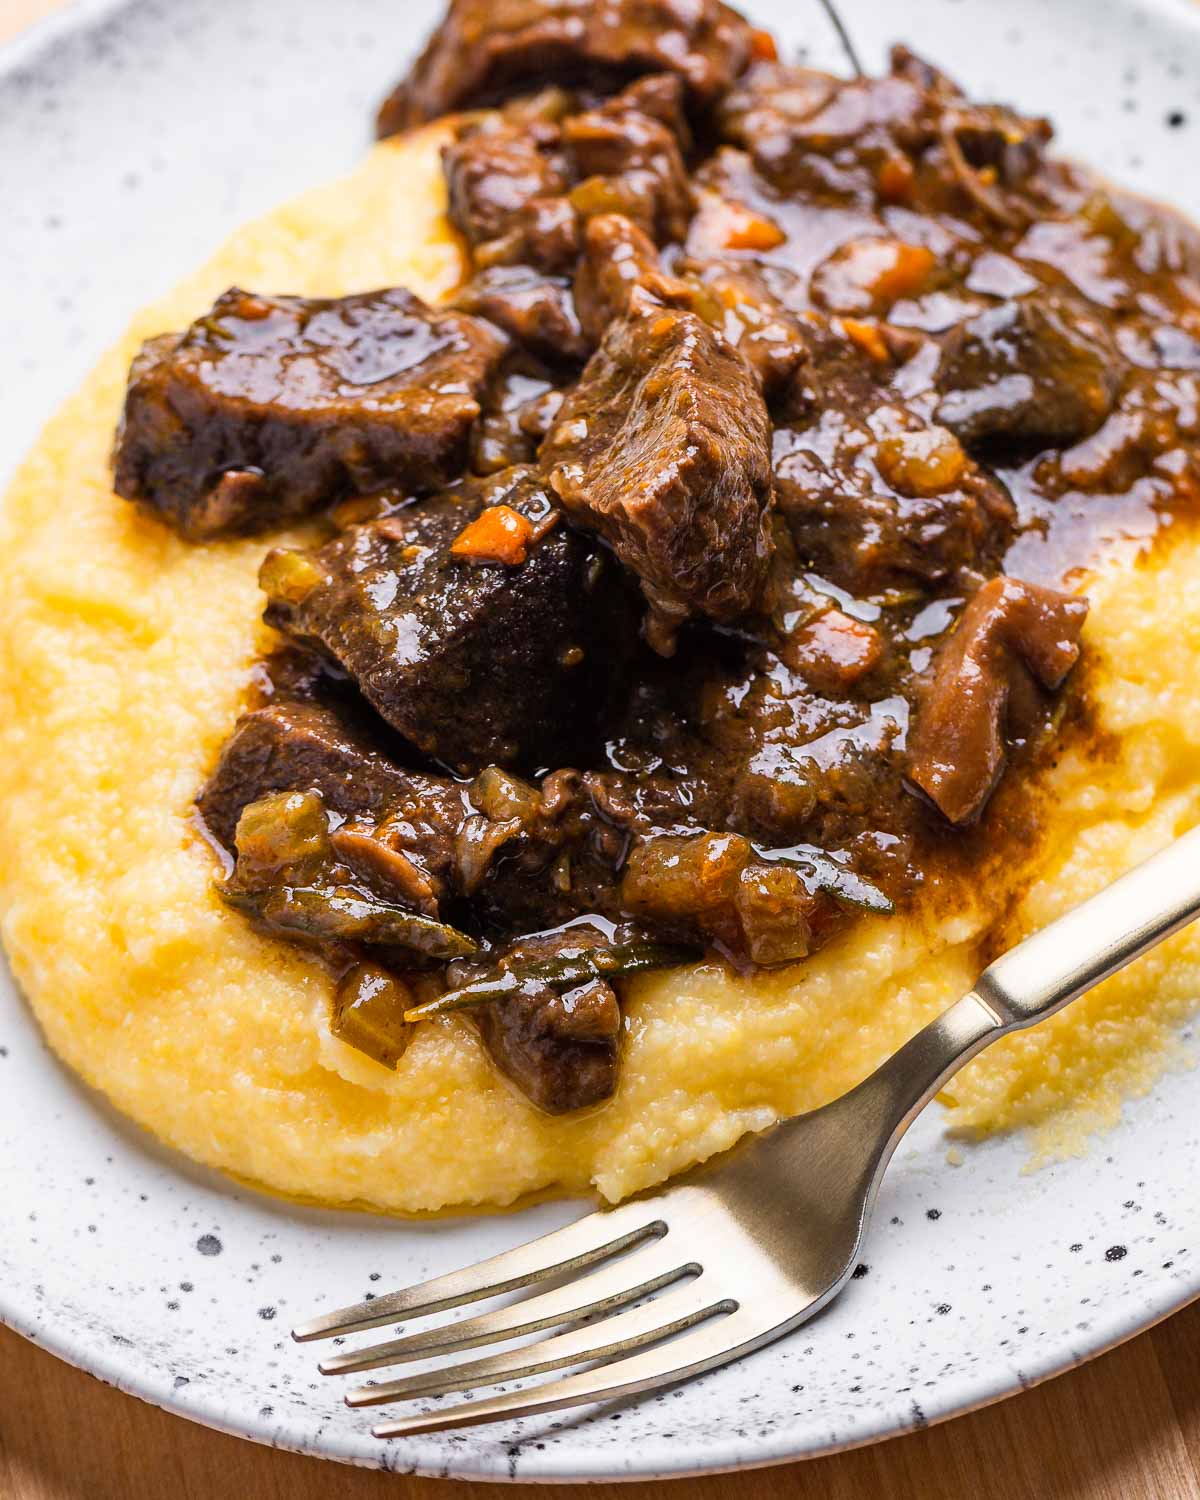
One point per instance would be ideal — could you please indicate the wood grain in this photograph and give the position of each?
(1125, 1427)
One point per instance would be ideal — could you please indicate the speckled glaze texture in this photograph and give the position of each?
(134, 134)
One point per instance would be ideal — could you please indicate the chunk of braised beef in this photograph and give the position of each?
(536, 310)
(302, 747)
(558, 1043)
(559, 1050)
(905, 63)
(617, 256)
(1035, 369)
(872, 499)
(1015, 642)
(496, 168)
(479, 629)
(545, 235)
(663, 97)
(486, 50)
(268, 407)
(663, 449)
(906, 137)
(788, 116)
(629, 162)
(289, 879)
(772, 338)
(521, 853)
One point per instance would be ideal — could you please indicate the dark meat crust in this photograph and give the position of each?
(268, 407)
(296, 746)
(560, 1050)
(663, 448)
(1039, 369)
(474, 663)
(486, 50)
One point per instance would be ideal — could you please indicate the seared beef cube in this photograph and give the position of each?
(301, 747)
(773, 340)
(664, 449)
(1038, 369)
(268, 407)
(557, 1044)
(786, 115)
(560, 1050)
(475, 626)
(496, 170)
(536, 311)
(629, 162)
(486, 50)
(662, 96)
(907, 137)
(1014, 641)
(617, 256)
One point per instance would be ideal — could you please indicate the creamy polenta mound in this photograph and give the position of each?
(125, 657)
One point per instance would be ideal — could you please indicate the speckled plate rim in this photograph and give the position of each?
(391, 1458)
(721, 1456)
(724, 1453)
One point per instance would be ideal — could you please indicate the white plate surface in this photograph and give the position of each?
(134, 134)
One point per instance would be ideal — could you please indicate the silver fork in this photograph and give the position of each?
(744, 1251)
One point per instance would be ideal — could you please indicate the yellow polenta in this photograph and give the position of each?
(125, 657)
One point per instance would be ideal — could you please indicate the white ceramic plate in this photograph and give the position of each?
(134, 134)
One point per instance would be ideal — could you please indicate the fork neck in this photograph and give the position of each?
(884, 1105)
(850, 1141)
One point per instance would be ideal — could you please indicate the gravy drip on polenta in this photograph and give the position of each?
(691, 580)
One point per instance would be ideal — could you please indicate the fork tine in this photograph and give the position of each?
(669, 1314)
(611, 1287)
(588, 1240)
(702, 1348)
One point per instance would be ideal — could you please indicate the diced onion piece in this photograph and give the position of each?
(368, 1013)
(288, 575)
(680, 876)
(771, 902)
(281, 839)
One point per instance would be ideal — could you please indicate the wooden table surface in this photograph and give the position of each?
(1125, 1427)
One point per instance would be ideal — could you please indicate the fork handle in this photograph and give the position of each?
(1051, 968)
(1039, 976)
(838, 1153)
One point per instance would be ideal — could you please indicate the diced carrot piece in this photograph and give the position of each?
(750, 231)
(252, 309)
(762, 47)
(895, 179)
(498, 534)
(868, 275)
(906, 274)
(868, 338)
